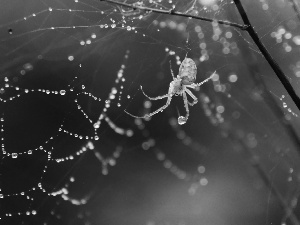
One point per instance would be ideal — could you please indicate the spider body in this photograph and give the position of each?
(179, 86)
(188, 71)
(176, 87)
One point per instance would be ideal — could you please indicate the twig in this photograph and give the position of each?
(176, 13)
(282, 77)
(269, 99)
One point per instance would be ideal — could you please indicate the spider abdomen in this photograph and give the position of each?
(188, 71)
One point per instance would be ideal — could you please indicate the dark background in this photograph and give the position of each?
(158, 177)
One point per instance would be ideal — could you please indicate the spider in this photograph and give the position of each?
(179, 86)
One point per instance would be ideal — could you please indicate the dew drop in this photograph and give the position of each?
(14, 155)
(62, 92)
(181, 120)
(10, 31)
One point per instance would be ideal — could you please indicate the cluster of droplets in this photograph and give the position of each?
(2, 135)
(119, 81)
(169, 165)
(150, 144)
(200, 180)
(296, 68)
(185, 139)
(88, 146)
(63, 192)
(285, 106)
(286, 37)
(196, 180)
(23, 91)
(105, 162)
(113, 22)
(212, 111)
(224, 87)
(63, 195)
(170, 24)
(27, 194)
(110, 161)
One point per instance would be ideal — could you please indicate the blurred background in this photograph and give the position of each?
(69, 72)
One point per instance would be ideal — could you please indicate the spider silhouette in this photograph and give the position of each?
(179, 86)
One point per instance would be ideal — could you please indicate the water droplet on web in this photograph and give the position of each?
(62, 92)
(14, 155)
(113, 25)
(181, 120)
(10, 31)
(96, 125)
(128, 96)
(119, 104)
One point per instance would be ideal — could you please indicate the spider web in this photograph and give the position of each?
(70, 153)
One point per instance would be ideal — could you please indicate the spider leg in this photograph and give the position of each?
(156, 98)
(199, 84)
(156, 111)
(193, 96)
(183, 119)
(172, 70)
(190, 103)
(161, 108)
(138, 117)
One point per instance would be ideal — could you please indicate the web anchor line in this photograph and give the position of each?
(176, 13)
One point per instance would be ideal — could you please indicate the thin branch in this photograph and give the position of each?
(268, 98)
(176, 13)
(276, 68)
